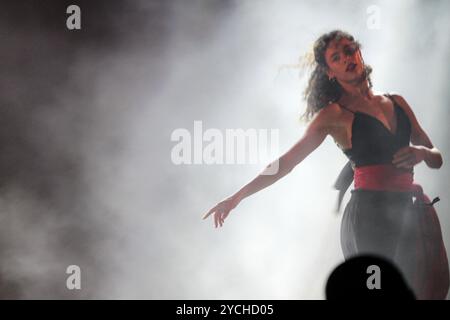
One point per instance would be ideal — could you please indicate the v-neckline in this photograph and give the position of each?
(380, 122)
(376, 120)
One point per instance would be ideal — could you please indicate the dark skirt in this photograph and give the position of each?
(393, 226)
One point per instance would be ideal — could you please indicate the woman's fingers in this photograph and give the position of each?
(219, 219)
(403, 163)
(402, 151)
(406, 161)
(209, 212)
(221, 211)
(402, 157)
(409, 163)
(223, 216)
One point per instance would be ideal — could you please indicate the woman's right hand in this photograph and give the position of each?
(222, 210)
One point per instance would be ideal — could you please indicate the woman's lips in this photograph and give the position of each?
(351, 67)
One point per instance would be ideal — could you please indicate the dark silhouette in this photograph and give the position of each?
(349, 280)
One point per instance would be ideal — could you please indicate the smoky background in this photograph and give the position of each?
(86, 116)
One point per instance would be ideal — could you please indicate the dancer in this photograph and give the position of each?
(388, 214)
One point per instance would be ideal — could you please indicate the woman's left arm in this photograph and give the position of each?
(422, 148)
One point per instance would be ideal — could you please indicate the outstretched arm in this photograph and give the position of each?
(314, 135)
(422, 148)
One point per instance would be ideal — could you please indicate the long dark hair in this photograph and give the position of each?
(322, 91)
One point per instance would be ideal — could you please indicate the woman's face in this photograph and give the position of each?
(344, 60)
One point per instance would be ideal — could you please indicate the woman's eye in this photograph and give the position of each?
(351, 49)
(335, 58)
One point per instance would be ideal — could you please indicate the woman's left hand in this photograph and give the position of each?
(408, 157)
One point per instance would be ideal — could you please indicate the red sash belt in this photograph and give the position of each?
(432, 276)
(382, 177)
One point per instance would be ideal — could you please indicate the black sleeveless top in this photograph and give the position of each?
(372, 142)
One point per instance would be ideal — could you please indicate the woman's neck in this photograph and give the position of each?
(360, 89)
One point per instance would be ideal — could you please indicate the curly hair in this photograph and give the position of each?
(322, 91)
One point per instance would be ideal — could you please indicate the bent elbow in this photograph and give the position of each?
(440, 163)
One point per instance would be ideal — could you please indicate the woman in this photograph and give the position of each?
(374, 131)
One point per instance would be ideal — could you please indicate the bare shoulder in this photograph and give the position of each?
(330, 112)
(418, 135)
(327, 117)
(401, 101)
